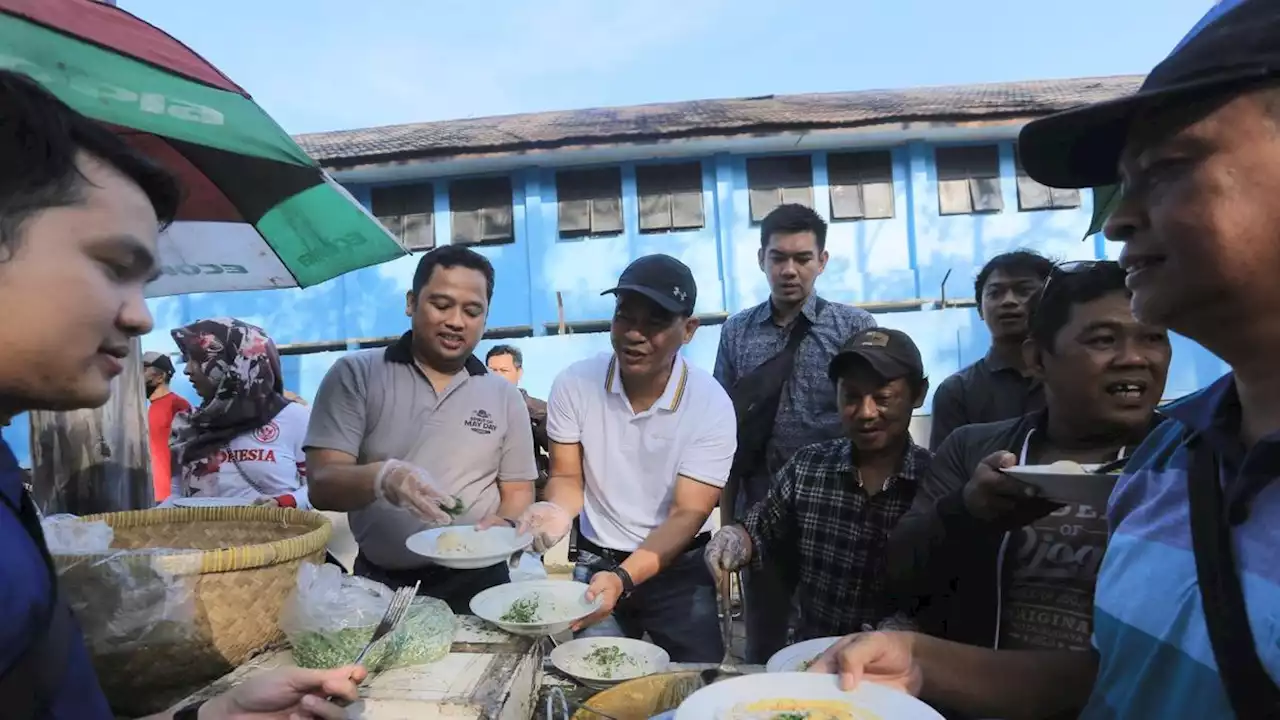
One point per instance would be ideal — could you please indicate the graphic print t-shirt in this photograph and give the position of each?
(1049, 603)
(268, 462)
(159, 422)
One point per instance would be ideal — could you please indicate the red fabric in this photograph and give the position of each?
(113, 28)
(159, 420)
(202, 201)
(287, 501)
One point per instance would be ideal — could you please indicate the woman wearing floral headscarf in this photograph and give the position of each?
(245, 439)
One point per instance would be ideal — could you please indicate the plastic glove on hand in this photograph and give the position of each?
(548, 522)
(410, 487)
(729, 549)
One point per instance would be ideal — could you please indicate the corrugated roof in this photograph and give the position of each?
(702, 118)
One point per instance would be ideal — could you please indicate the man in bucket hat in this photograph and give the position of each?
(1185, 620)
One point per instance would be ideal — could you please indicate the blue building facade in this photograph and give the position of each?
(916, 204)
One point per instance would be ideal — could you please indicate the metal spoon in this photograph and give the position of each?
(1110, 467)
(557, 696)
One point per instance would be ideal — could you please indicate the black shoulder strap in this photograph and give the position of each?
(801, 329)
(28, 686)
(1252, 692)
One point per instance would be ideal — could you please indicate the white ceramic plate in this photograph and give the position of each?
(638, 658)
(795, 658)
(202, 502)
(472, 548)
(730, 699)
(559, 603)
(1060, 484)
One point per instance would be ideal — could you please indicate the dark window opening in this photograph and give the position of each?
(777, 181)
(1034, 196)
(670, 197)
(861, 185)
(968, 180)
(407, 211)
(590, 202)
(481, 211)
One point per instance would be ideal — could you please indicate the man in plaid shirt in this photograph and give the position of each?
(832, 506)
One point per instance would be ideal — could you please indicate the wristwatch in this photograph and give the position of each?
(190, 712)
(628, 585)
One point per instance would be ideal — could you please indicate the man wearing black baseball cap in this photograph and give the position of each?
(834, 503)
(1184, 619)
(662, 279)
(641, 444)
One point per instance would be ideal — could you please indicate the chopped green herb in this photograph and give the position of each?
(524, 610)
(791, 716)
(424, 636)
(606, 660)
(457, 508)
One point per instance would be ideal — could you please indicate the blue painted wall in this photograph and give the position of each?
(900, 258)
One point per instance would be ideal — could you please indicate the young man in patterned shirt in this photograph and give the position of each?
(793, 253)
(833, 505)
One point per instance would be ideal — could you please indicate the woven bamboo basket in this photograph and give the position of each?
(232, 570)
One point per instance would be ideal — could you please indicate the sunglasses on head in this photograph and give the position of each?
(1073, 267)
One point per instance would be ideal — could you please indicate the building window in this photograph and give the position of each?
(670, 197)
(968, 180)
(590, 202)
(481, 211)
(1034, 196)
(775, 181)
(861, 185)
(406, 211)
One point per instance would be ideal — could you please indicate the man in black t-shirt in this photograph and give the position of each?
(1103, 373)
(997, 386)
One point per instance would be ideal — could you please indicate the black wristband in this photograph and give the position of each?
(628, 585)
(190, 712)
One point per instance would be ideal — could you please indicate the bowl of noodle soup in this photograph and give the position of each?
(800, 696)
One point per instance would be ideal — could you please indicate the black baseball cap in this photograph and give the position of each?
(663, 279)
(158, 360)
(1081, 148)
(891, 353)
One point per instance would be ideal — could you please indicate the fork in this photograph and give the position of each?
(395, 613)
(390, 619)
(726, 620)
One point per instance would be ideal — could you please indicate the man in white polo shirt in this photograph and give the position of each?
(641, 444)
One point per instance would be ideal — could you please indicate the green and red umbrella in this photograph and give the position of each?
(258, 212)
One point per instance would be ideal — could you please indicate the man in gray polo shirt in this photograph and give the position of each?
(398, 436)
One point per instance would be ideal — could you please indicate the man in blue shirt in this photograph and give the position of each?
(1186, 621)
(80, 213)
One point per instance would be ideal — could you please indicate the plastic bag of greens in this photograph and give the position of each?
(331, 616)
(424, 636)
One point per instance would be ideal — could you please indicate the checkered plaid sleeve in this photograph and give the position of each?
(771, 523)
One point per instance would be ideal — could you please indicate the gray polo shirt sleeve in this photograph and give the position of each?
(518, 462)
(709, 457)
(563, 424)
(338, 416)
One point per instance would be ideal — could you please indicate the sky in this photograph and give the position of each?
(332, 64)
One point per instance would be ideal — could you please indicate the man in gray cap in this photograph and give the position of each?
(834, 503)
(1185, 621)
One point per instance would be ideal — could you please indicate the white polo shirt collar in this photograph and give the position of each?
(671, 396)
